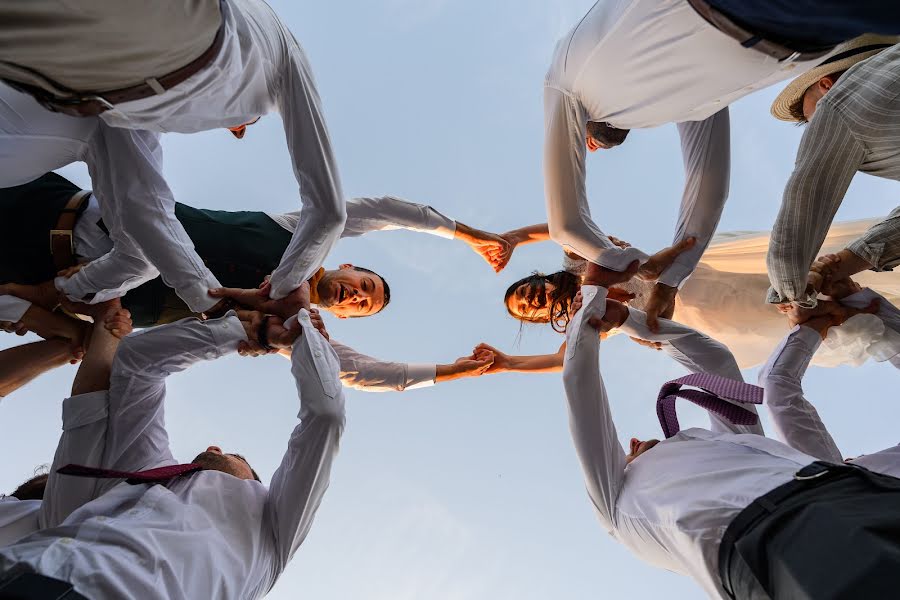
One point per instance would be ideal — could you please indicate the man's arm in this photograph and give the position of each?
(590, 420)
(698, 353)
(568, 211)
(795, 420)
(323, 214)
(828, 158)
(139, 210)
(387, 213)
(370, 374)
(889, 315)
(879, 247)
(137, 437)
(299, 483)
(22, 364)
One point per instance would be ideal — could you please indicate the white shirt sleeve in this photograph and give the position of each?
(795, 420)
(386, 213)
(136, 437)
(139, 210)
(705, 147)
(299, 483)
(323, 214)
(568, 212)
(698, 353)
(590, 420)
(83, 442)
(12, 309)
(370, 374)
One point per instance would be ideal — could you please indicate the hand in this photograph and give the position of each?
(836, 290)
(499, 360)
(315, 317)
(44, 294)
(117, 321)
(647, 343)
(17, 328)
(619, 294)
(661, 304)
(252, 320)
(835, 312)
(70, 271)
(258, 299)
(576, 304)
(494, 249)
(616, 314)
(662, 260)
(620, 243)
(471, 366)
(597, 275)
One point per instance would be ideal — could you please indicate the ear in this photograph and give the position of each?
(345, 266)
(825, 83)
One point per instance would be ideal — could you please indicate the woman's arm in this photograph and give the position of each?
(538, 363)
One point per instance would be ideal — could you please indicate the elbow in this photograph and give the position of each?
(563, 231)
(333, 220)
(130, 359)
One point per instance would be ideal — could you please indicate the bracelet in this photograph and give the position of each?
(262, 334)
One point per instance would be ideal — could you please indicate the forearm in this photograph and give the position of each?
(877, 249)
(795, 420)
(828, 157)
(539, 363)
(50, 324)
(539, 232)
(22, 364)
(387, 213)
(94, 371)
(705, 147)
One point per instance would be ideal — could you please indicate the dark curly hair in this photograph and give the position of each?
(557, 301)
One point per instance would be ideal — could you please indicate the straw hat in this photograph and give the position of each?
(845, 56)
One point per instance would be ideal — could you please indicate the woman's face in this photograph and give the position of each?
(529, 303)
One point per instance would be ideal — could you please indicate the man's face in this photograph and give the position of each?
(213, 459)
(604, 135)
(351, 293)
(638, 447)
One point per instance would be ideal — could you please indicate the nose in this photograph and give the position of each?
(214, 450)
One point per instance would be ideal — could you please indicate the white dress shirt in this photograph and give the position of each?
(208, 535)
(672, 504)
(82, 442)
(12, 309)
(640, 64)
(364, 215)
(260, 69)
(18, 518)
(794, 418)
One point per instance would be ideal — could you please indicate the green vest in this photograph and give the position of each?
(240, 248)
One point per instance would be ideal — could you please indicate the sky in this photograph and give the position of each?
(468, 490)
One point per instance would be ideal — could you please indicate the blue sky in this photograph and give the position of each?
(469, 490)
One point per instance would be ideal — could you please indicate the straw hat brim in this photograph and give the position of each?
(846, 54)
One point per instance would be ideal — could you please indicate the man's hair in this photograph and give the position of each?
(384, 283)
(796, 109)
(33, 489)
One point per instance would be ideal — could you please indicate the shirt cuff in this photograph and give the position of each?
(860, 299)
(809, 336)
(676, 275)
(593, 305)
(12, 309)
(227, 332)
(446, 228)
(805, 300)
(870, 252)
(84, 409)
(420, 375)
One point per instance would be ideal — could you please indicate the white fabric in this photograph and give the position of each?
(795, 420)
(386, 213)
(18, 518)
(638, 64)
(210, 534)
(672, 504)
(90, 241)
(12, 309)
(261, 68)
(370, 374)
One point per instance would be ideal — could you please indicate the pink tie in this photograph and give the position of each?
(158, 475)
(715, 389)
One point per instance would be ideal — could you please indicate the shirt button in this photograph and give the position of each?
(317, 354)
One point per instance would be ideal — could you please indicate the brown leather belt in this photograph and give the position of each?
(62, 239)
(91, 104)
(748, 39)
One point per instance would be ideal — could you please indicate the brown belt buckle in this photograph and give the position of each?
(64, 233)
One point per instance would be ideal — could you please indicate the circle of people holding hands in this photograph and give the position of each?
(743, 514)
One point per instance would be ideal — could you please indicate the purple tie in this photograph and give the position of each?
(158, 475)
(714, 388)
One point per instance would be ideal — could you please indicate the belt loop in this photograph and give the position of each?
(155, 85)
(790, 57)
